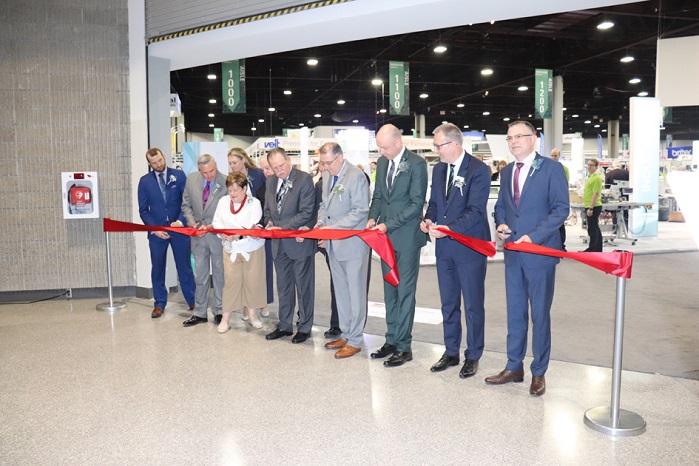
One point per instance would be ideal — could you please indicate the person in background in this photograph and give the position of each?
(458, 202)
(556, 155)
(160, 204)
(202, 192)
(243, 257)
(345, 206)
(240, 161)
(532, 204)
(372, 164)
(396, 209)
(616, 173)
(290, 205)
(592, 200)
(496, 176)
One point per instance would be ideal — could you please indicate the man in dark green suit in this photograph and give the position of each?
(396, 209)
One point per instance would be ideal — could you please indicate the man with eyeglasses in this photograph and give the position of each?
(458, 201)
(344, 205)
(396, 209)
(532, 204)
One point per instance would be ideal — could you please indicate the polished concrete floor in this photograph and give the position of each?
(82, 387)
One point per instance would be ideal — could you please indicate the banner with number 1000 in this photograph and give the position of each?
(233, 86)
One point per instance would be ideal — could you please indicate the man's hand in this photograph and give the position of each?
(381, 227)
(425, 225)
(298, 238)
(270, 226)
(503, 231)
(524, 239)
(176, 224)
(435, 233)
(370, 224)
(161, 234)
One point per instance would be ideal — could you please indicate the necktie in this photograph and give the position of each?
(450, 183)
(280, 195)
(334, 181)
(205, 195)
(389, 178)
(516, 183)
(161, 177)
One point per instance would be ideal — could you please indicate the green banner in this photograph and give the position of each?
(399, 87)
(218, 134)
(543, 95)
(233, 86)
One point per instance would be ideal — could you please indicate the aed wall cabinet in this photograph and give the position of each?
(80, 195)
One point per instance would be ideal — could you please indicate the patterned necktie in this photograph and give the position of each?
(389, 178)
(450, 183)
(161, 177)
(280, 195)
(516, 183)
(205, 195)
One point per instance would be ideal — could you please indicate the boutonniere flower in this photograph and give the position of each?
(250, 180)
(459, 183)
(403, 166)
(289, 184)
(536, 164)
(339, 189)
(172, 179)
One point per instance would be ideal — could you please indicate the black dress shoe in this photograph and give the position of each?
(399, 358)
(333, 332)
(217, 318)
(278, 334)
(194, 320)
(469, 369)
(385, 350)
(300, 337)
(444, 362)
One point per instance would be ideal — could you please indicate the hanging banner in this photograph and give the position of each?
(543, 96)
(218, 134)
(233, 86)
(399, 87)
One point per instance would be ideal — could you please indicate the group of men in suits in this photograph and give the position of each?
(532, 204)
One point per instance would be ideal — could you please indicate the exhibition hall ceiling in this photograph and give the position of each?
(450, 86)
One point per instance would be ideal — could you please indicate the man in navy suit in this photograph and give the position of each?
(532, 205)
(160, 204)
(458, 200)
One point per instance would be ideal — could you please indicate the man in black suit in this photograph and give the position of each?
(290, 205)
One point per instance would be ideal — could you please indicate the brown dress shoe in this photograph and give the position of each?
(336, 344)
(538, 386)
(347, 351)
(157, 312)
(505, 377)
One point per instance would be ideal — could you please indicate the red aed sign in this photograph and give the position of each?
(80, 195)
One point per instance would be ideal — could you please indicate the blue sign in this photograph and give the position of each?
(679, 152)
(476, 136)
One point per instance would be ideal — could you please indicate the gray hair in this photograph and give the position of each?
(451, 132)
(205, 159)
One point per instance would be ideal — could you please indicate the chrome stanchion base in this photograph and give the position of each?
(600, 419)
(115, 306)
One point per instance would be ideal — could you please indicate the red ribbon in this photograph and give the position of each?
(617, 263)
(375, 239)
(487, 248)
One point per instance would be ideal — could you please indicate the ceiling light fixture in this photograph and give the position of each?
(424, 95)
(575, 115)
(486, 71)
(253, 128)
(466, 127)
(287, 92)
(634, 80)
(604, 25)
(301, 124)
(440, 49)
(522, 88)
(604, 130)
(261, 120)
(486, 113)
(312, 62)
(377, 81)
(643, 94)
(341, 102)
(355, 121)
(211, 115)
(596, 126)
(272, 109)
(460, 105)
(211, 125)
(627, 59)
(563, 109)
(317, 115)
(587, 122)
(506, 119)
(383, 110)
(211, 76)
(212, 101)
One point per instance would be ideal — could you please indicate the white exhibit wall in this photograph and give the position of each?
(644, 146)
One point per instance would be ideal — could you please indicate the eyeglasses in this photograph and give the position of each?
(327, 164)
(517, 137)
(439, 146)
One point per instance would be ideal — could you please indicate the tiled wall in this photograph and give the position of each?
(63, 107)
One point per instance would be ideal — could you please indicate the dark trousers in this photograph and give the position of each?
(593, 230)
(400, 300)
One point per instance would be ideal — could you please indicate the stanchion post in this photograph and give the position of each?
(111, 306)
(612, 420)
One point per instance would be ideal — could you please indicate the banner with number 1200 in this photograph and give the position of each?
(233, 86)
(398, 87)
(543, 96)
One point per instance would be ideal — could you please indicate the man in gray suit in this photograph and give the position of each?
(345, 206)
(396, 209)
(290, 205)
(203, 190)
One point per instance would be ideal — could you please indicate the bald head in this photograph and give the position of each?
(389, 141)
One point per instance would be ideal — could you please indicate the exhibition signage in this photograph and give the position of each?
(682, 153)
(398, 87)
(218, 134)
(233, 86)
(645, 149)
(543, 96)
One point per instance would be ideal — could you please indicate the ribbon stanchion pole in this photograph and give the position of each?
(612, 420)
(111, 306)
